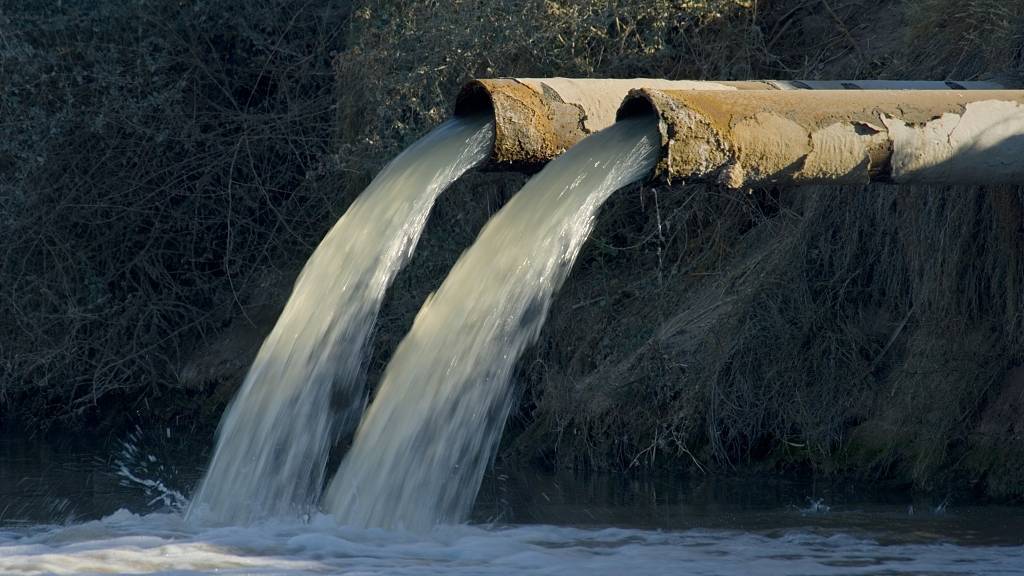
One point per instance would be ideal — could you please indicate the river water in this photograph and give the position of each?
(68, 508)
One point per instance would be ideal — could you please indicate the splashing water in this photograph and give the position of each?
(307, 380)
(422, 448)
(163, 544)
(137, 467)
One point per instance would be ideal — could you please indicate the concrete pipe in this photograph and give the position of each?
(761, 138)
(537, 119)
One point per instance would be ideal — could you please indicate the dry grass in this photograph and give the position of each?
(966, 38)
(847, 331)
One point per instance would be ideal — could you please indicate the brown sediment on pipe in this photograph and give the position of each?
(759, 138)
(537, 119)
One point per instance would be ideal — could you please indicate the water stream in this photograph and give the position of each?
(421, 450)
(307, 381)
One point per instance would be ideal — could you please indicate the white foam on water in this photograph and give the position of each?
(124, 543)
(307, 380)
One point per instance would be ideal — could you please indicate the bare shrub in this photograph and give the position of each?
(158, 159)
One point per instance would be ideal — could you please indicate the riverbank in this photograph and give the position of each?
(864, 334)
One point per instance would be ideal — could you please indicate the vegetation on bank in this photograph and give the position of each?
(159, 162)
(166, 167)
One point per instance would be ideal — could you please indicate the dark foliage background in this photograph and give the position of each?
(160, 161)
(166, 167)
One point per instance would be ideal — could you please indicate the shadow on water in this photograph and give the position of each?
(766, 505)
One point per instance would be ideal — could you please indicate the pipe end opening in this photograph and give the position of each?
(637, 104)
(474, 99)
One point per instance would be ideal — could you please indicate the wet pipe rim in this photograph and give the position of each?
(530, 127)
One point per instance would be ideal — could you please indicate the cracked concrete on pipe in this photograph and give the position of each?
(537, 119)
(764, 138)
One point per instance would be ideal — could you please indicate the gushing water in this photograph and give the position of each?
(420, 453)
(307, 381)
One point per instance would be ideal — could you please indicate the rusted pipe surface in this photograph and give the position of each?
(537, 119)
(758, 138)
